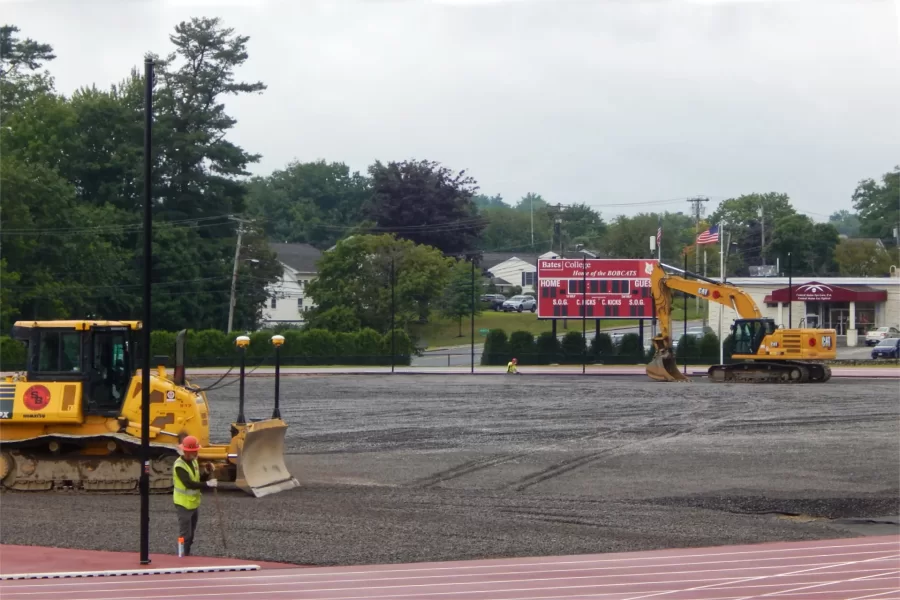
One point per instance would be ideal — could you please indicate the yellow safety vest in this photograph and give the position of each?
(511, 367)
(190, 499)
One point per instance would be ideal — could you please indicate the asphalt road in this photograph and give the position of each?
(405, 468)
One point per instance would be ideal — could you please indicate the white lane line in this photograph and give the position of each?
(336, 571)
(867, 597)
(749, 579)
(166, 585)
(817, 585)
(421, 593)
(619, 595)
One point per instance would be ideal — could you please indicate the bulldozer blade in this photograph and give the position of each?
(664, 368)
(260, 463)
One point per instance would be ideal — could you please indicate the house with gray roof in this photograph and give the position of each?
(288, 301)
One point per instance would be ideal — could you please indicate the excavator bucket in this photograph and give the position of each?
(260, 462)
(663, 366)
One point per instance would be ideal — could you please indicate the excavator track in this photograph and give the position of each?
(96, 464)
(786, 371)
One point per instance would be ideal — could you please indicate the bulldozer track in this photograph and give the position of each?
(29, 466)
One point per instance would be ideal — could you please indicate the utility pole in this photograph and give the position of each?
(697, 202)
(234, 272)
(762, 223)
(532, 223)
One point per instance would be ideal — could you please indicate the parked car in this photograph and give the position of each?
(495, 300)
(889, 348)
(520, 303)
(876, 335)
(699, 332)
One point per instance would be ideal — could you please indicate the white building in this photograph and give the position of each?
(850, 305)
(288, 301)
(517, 269)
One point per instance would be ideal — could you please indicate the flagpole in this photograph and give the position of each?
(722, 279)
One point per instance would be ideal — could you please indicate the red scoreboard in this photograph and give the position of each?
(616, 288)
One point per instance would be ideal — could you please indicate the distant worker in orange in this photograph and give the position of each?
(511, 367)
(188, 482)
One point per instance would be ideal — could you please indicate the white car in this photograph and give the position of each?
(882, 333)
(520, 303)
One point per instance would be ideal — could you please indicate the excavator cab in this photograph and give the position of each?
(748, 334)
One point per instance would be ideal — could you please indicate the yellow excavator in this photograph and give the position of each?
(72, 420)
(767, 353)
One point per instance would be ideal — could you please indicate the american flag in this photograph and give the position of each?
(659, 235)
(710, 236)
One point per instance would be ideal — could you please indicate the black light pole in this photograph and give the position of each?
(145, 342)
(584, 314)
(393, 312)
(472, 370)
(242, 342)
(790, 293)
(277, 341)
(684, 335)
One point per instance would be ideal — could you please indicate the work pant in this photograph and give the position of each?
(187, 524)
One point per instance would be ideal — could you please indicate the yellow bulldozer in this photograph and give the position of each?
(765, 352)
(72, 420)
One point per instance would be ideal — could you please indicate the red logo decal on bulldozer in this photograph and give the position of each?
(37, 397)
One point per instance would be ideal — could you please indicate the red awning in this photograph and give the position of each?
(822, 292)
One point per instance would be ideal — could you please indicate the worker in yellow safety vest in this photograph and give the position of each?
(188, 482)
(511, 367)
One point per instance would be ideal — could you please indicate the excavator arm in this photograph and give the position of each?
(662, 285)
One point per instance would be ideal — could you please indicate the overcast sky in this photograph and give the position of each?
(613, 103)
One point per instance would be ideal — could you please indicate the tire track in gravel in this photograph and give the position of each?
(566, 466)
(487, 462)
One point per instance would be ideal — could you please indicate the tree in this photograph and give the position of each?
(316, 202)
(426, 203)
(879, 205)
(356, 274)
(482, 201)
(629, 237)
(846, 222)
(862, 258)
(742, 222)
(459, 294)
(198, 166)
(72, 192)
(19, 61)
(811, 244)
(581, 225)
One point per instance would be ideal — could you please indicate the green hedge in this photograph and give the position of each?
(548, 349)
(212, 347)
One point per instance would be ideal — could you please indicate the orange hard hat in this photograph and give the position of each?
(190, 444)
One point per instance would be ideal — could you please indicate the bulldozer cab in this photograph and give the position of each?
(101, 356)
(748, 334)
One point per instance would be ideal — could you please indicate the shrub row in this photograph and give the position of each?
(547, 349)
(212, 347)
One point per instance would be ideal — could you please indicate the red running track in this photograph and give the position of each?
(847, 569)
